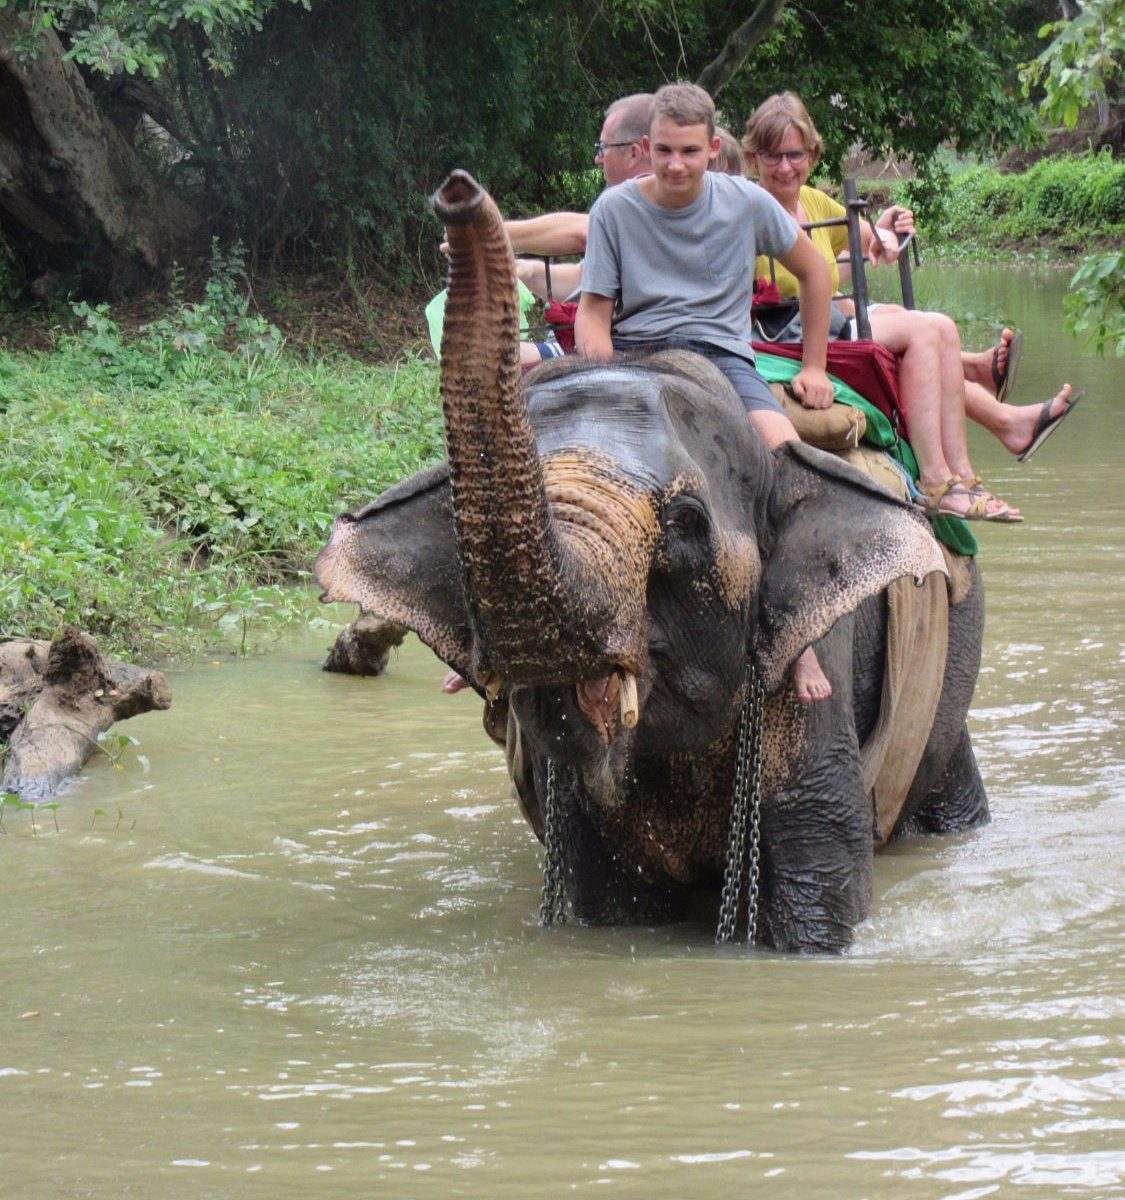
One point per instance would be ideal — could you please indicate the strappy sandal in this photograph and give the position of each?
(954, 486)
(1007, 514)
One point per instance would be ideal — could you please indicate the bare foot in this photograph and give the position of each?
(809, 682)
(978, 366)
(1017, 434)
(453, 683)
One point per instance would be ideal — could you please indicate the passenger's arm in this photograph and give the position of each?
(593, 326)
(551, 234)
(566, 278)
(811, 384)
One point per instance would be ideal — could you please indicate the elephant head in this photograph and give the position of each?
(610, 545)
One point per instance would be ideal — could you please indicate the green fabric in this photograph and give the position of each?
(950, 531)
(435, 314)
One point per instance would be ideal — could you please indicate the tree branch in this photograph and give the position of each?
(756, 28)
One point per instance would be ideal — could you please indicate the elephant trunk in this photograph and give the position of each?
(541, 600)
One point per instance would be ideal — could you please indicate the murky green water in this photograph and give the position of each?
(303, 960)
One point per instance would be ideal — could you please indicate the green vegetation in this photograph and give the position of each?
(165, 491)
(1068, 200)
(1061, 206)
(314, 131)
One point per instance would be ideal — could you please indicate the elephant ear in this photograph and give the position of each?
(838, 537)
(397, 558)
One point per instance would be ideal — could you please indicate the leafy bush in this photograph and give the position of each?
(161, 497)
(1095, 305)
(1077, 196)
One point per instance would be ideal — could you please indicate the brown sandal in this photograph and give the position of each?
(978, 501)
(1007, 514)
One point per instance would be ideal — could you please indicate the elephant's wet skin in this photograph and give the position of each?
(604, 526)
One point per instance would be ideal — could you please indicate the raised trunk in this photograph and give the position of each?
(541, 602)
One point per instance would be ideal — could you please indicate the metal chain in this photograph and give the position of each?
(736, 841)
(552, 908)
(757, 705)
(744, 840)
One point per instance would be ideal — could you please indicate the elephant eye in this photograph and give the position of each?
(686, 517)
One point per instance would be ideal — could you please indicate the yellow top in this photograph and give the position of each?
(829, 240)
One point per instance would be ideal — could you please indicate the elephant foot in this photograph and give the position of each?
(809, 682)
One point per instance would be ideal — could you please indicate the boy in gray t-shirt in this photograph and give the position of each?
(670, 261)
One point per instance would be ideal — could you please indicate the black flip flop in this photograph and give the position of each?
(1046, 424)
(1004, 383)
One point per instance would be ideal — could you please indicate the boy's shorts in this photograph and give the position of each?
(753, 390)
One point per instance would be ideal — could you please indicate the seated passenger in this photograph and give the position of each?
(783, 145)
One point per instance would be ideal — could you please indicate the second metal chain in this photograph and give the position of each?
(744, 841)
(552, 908)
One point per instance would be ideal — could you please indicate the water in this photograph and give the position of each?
(295, 952)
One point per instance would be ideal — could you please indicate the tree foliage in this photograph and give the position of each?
(1082, 61)
(1077, 70)
(314, 131)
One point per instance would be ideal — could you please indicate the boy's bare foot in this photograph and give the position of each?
(809, 682)
(453, 683)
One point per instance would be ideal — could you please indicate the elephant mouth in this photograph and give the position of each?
(610, 703)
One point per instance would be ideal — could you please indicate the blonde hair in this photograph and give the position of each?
(684, 104)
(773, 119)
(730, 160)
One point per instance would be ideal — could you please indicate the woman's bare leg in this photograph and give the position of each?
(932, 394)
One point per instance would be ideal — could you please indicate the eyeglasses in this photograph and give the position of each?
(773, 158)
(601, 147)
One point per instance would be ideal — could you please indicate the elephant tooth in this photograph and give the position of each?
(630, 706)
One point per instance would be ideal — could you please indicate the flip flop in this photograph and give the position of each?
(1046, 425)
(1007, 380)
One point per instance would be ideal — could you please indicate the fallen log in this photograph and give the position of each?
(364, 647)
(56, 698)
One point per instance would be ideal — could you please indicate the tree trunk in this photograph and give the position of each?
(736, 49)
(75, 198)
(55, 699)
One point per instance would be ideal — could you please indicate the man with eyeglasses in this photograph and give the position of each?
(620, 153)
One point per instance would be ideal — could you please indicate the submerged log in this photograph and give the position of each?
(364, 647)
(56, 698)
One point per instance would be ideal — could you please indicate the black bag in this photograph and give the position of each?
(782, 323)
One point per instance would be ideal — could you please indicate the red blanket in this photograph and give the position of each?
(866, 366)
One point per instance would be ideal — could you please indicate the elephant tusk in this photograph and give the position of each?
(630, 707)
(493, 686)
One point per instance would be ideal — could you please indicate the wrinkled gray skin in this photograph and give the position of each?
(599, 520)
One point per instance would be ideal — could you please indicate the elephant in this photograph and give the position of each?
(613, 559)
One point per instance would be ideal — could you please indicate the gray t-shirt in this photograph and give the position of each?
(688, 271)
